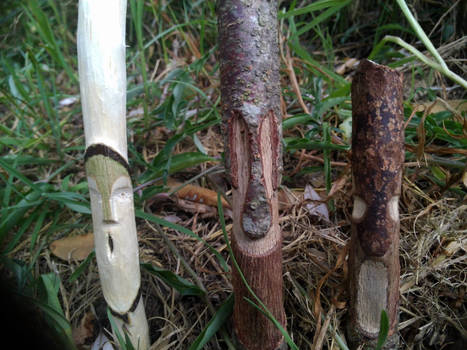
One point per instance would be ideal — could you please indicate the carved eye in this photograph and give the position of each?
(93, 191)
(122, 189)
(123, 193)
(394, 208)
(359, 208)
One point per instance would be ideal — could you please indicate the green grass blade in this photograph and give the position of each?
(341, 342)
(38, 225)
(136, 9)
(51, 284)
(217, 321)
(12, 171)
(314, 6)
(178, 283)
(42, 24)
(324, 72)
(327, 162)
(79, 271)
(20, 231)
(322, 17)
(176, 163)
(383, 330)
(9, 221)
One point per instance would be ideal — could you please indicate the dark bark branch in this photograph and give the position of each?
(377, 162)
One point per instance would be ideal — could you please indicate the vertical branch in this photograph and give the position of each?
(101, 59)
(377, 160)
(249, 68)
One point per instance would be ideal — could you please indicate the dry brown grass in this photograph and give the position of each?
(433, 273)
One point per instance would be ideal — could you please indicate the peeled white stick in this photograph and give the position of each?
(101, 60)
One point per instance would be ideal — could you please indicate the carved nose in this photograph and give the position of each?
(110, 216)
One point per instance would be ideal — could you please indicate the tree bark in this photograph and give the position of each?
(250, 90)
(101, 60)
(377, 162)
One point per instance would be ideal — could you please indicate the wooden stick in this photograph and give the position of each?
(377, 162)
(249, 67)
(101, 59)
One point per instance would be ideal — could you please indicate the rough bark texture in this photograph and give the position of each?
(377, 160)
(249, 67)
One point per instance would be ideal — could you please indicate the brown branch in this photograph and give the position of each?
(377, 163)
(251, 108)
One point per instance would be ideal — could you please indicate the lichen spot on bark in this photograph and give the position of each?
(371, 296)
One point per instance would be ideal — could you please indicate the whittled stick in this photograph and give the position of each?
(250, 91)
(101, 59)
(377, 161)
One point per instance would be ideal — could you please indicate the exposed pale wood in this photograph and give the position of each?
(102, 72)
(101, 58)
(371, 297)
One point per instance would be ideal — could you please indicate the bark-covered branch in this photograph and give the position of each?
(249, 67)
(377, 161)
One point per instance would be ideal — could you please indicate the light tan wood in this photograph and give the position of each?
(101, 61)
(371, 295)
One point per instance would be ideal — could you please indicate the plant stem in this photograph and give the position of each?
(420, 33)
(439, 67)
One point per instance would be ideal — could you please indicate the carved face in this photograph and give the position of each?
(114, 230)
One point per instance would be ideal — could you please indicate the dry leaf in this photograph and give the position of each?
(68, 101)
(348, 64)
(174, 219)
(288, 198)
(454, 246)
(337, 185)
(439, 105)
(421, 133)
(195, 199)
(204, 210)
(316, 207)
(86, 332)
(73, 248)
(197, 194)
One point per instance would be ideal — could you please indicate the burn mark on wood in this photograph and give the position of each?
(101, 149)
(125, 315)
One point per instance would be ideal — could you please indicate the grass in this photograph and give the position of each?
(174, 130)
